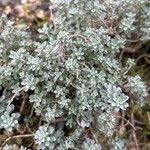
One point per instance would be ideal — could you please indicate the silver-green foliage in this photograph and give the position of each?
(72, 66)
(14, 147)
(91, 145)
(137, 87)
(8, 119)
(47, 138)
(117, 144)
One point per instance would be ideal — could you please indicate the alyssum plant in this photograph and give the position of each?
(71, 70)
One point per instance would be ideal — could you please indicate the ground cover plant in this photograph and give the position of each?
(69, 86)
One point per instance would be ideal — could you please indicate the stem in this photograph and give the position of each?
(14, 137)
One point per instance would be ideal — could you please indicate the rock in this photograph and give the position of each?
(4, 2)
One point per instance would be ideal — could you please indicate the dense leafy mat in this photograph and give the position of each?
(72, 77)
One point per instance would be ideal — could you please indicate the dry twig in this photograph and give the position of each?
(80, 36)
(15, 94)
(14, 137)
(23, 103)
(148, 116)
(145, 56)
(127, 121)
(133, 132)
